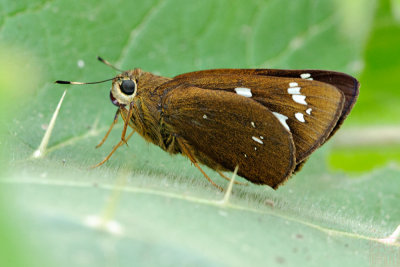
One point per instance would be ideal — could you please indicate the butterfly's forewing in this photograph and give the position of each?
(225, 129)
(345, 83)
(308, 109)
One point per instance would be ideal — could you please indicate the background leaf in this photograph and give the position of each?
(378, 144)
(162, 211)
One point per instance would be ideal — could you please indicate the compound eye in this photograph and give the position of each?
(128, 87)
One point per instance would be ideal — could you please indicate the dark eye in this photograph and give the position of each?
(128, 87)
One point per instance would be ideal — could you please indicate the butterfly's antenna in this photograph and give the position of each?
(103, 61)
(108, 64)
(69, 82)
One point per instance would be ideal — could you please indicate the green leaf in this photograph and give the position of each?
(145, 207)
(379, 103)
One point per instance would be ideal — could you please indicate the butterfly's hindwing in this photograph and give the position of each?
(212, 122)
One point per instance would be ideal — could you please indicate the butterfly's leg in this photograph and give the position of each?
(109, 130)
(126, 122)
(186, 152)
(120, 143)
(229, 179)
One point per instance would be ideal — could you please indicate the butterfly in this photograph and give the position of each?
(266, 122)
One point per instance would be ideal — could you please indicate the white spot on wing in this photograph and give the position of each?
(301, 99)
(293, 84)
(257, 140)
(299, 116)
(243, 91)
(245, 155)
(255, 148)
(305, 75)
(294, 90)
(308, 111)
(205, 116)
(253, 124)
(261, 137)
(282, 119)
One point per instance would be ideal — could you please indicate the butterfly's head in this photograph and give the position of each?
(124, 87)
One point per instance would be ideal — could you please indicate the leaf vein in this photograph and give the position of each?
(197, 200)
(138, 29)
(311, 31)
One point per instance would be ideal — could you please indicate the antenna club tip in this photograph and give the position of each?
(108, 64)
(62, 82)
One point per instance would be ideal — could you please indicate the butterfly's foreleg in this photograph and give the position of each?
(109, 130)
(120, 143)
(126, 122)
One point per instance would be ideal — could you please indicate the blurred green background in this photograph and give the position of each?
(329, 214)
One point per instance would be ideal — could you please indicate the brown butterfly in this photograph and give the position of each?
(265, 121)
